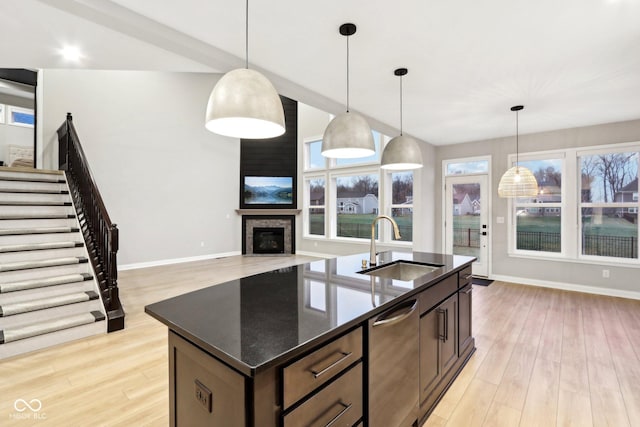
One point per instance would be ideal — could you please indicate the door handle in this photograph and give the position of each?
(404, 311)
(441, 325)
(446, 324)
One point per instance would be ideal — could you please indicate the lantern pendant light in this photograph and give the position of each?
(348, 135)
(244, 103)
(518, 181)
(402, 152)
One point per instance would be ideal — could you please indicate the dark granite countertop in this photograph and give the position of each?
(258, 321)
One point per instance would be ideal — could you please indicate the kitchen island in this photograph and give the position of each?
(320, 343)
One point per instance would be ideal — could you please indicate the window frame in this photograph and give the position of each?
(571, 245)
(14, 109)
(562, 205)
(330, 173)
(614, 148)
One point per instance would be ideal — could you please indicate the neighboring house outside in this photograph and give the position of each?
(547, 193)
(476, 206)
(462, 206)
(316, 198)
(627, 194)
(405, 211)
(357, 203)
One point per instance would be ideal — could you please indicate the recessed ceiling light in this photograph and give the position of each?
(71, 53)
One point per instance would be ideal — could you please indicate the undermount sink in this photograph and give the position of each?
(401, 270)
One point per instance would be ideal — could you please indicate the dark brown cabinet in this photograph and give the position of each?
(465, 337)
(438, 344)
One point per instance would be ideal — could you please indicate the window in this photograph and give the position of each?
(20, 116)
(343, 196)
(402, 203)
(609, 204)
(467, 168)
(314, 158)
(315, 195)
(1, 113)
(538, 220)
(357, 205)
(597, 220)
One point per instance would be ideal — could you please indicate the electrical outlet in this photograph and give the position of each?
(605, 274)
(203, 395)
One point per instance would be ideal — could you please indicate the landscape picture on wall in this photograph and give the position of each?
(268, 190)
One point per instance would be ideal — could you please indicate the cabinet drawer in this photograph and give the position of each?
(339, 404)
(437, 293)
(464, 277)
(315, 369)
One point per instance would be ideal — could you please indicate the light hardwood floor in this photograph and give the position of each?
(544, 358)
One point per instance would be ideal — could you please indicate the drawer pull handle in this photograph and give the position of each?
(468, 276)
(468, 291)
(405, 312)
(316, 373)
(344, 411)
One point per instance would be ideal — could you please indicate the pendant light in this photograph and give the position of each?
(518, 181)
(402, 152)
(244, 103)
(348, 135)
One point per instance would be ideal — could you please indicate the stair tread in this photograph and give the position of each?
(49, 262)
(36, 216)
(37, 230)
(44, 282)
(10, 309)
(39, 246)
(52, 325)
(44, 178)
(32, 190)
(33, 203)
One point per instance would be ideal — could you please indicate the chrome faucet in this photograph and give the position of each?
(396, 233)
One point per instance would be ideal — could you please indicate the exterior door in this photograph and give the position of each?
(466, 228)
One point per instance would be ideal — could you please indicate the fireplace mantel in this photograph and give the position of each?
(268, 211)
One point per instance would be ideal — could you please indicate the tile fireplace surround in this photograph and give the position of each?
(267, 219)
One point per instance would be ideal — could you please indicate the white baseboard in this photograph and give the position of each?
(569, 287)
(176, 260)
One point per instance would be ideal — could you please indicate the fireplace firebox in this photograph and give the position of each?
(268, 240)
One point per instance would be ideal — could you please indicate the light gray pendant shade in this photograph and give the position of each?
(244, 103)
(348, 135)
(402, 152)
(517, 181)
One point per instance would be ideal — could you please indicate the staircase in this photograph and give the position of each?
(48, 293)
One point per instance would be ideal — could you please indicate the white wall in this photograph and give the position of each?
(169, 184)
(623, 280)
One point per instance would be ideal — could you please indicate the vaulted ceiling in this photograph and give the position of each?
(570, 62)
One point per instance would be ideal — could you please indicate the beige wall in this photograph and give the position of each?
(623, 279)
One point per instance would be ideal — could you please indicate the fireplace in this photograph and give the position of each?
(268, 240)
(268, 235)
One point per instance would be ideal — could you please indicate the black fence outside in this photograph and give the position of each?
(610, 246)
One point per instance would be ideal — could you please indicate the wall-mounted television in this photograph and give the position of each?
(268, 190)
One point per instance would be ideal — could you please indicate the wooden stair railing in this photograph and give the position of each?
(100, 234)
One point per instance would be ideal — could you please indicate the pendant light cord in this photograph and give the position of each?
(517, 141)
(400, 105)
(347, 74)
(246, 35)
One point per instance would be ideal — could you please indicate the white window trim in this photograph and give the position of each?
(571, 246)
(2, 111)
(307, 154)
(306, 203)
(12, 108)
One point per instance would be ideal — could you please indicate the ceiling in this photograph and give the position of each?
(570, 62)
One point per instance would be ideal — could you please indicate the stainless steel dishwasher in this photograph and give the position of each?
(393, 366)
